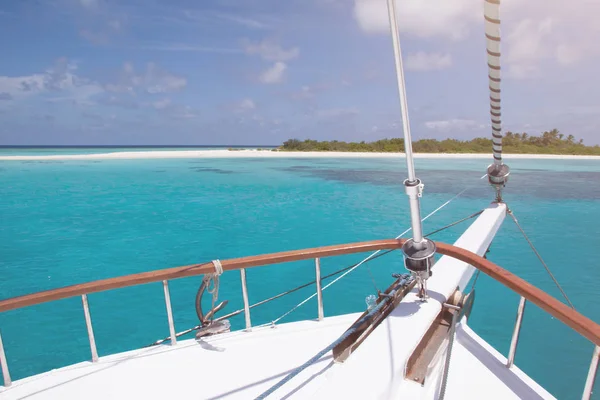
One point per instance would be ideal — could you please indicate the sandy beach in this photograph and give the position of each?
(269, 154)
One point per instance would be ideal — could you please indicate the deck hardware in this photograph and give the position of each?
(515, 337)
(246, 303)
(169, 313)
(90, 329)
(319, 289)
(4, 365)
(589, 382)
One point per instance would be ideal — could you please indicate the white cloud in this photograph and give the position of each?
(205, 17)
(89, 3)
(305, 93)
(538, 35)
(185, 112)
(528, 45)
(161, 104)
(337, 112)
(274, 74)
(247, 104)
(185, 47)
(445, 18)
(423, 61)
(452, 124)
(94, 37)
(546, 33)
(99, 22)
(243, 21)
(60, 78)
(16, 86)
(241, 107)
(153, 80)
(270, 51)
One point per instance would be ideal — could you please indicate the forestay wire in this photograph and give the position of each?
(345, 271)
(541, 259)
(368, 258)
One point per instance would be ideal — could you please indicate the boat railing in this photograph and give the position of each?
(581, 324)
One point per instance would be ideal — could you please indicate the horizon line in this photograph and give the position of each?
(35, 146)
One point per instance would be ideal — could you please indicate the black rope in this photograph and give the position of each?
(541, 259)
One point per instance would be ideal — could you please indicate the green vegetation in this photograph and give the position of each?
(549, 142)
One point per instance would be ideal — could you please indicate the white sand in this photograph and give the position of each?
(130, 155)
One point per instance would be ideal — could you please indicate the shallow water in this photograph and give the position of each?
(75, 221)
(67, 150)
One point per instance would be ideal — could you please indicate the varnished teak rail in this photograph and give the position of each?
(557, 309)
(192, 270)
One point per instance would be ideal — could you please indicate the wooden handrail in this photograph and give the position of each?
(580, 323)
(583, 325)
(194, 269)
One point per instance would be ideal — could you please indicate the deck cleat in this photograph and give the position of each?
(418, 259)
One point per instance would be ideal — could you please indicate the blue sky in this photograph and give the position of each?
(262, 71)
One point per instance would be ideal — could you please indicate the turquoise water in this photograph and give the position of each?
(70, 222)
(67, 150)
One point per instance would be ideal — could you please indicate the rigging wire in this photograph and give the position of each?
(478, 213)
(348, 269)
(474, 281)
(260, 303)
(541, 260)
(368, 258)
(239, 311)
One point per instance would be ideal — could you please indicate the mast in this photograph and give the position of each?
(418, 251)
(498, 171)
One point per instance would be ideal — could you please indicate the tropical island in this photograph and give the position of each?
(549, 142)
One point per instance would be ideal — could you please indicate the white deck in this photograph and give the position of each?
(241, 365)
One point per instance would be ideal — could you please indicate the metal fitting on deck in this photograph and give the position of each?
(498, 177)
(498, 174)
(414, 188)
(418, 259)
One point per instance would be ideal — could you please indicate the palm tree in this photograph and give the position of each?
(570, 139)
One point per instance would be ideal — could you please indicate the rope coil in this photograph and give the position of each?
(214, 278)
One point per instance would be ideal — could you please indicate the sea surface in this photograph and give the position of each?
(63, 223)
(69, 150)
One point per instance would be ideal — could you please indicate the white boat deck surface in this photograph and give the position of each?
(242, 365)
